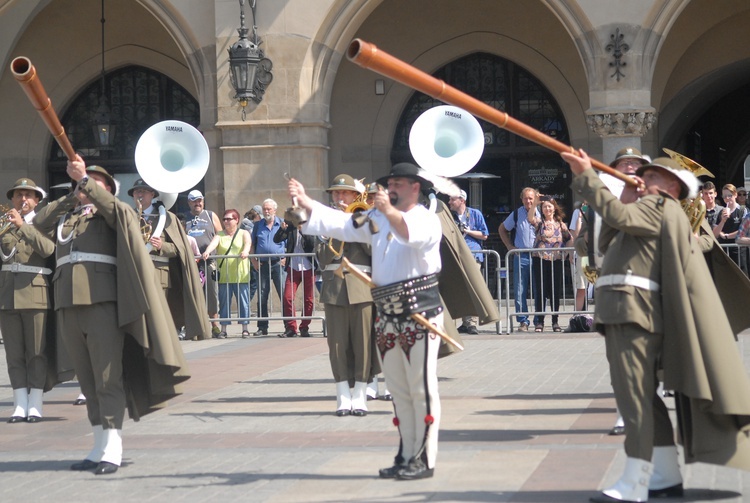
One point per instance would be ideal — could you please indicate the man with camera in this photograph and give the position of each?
(474, 229)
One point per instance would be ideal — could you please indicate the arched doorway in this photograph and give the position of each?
(518, 162)
(137, 98)
(716, 141)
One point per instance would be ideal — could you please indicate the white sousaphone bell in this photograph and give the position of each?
(446, 141)
(172, 157)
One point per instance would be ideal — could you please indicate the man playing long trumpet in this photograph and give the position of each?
(113, 314)
(406, 261)
(657, 307)
(25, 301)
(626, 161)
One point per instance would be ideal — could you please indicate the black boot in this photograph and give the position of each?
(416, 469)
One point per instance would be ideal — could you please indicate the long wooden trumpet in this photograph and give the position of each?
(25, 73)
(369, 56)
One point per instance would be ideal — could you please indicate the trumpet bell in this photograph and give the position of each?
(168, 198)
(172, 156)
(446, 141)
(688, 163)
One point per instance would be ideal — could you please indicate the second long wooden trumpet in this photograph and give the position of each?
(369, 56)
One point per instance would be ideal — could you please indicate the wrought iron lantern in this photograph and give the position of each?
(250, 68)
(104, 130)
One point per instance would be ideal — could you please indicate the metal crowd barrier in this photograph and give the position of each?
(490, 269)
(275, 310)
(740, 255)
(507, 274)
(492, 272)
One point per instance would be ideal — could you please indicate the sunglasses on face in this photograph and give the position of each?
(227, 218)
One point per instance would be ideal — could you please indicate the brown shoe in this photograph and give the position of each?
(523, 327)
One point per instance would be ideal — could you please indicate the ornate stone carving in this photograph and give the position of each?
(634, 123)
(618, 48)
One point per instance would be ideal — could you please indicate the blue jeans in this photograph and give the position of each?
(521, 276)
(253, 283)
(268, 272)
(239, 291)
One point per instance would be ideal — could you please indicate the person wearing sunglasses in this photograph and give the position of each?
(728, 226)
(233, 271)
(742, 196)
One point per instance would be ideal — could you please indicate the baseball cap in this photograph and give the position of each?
(462, 195)
(194, 195)
(258, 209)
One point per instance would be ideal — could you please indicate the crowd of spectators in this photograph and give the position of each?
(539, 275)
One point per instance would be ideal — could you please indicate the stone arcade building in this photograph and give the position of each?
(595, 74)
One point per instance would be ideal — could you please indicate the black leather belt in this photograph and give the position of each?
(401, 300)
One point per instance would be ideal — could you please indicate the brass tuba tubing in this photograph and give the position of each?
(25, 73)
(368, 56)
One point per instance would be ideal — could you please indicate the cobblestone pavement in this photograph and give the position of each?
(525, 419)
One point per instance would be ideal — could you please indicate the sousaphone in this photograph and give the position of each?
(171, 156)
(446, 141)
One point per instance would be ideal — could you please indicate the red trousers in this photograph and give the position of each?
(293, 279)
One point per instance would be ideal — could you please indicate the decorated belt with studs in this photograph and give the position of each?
(402, 299)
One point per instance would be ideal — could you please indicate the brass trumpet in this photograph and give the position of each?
(694, 208)
(146, 228)
(358, 205)
(5, 223)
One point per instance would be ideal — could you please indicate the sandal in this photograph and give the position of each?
(556, 328)
(538, 328)
(245, 334)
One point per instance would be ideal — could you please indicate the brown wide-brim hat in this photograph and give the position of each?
(406, 170)
(28, 184)
(103, 172)
(688, 181)
(373, 187)
(628, 153)
(343, 182)
(140, 184)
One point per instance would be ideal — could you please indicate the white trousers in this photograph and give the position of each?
(410, 369)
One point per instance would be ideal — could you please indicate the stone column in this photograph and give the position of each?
(620, 128)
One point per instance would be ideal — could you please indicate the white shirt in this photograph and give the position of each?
(393, 259)
(574, 219)
(615, 186)
(300, 263)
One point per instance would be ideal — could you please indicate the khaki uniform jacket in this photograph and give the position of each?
(31, 291)
(700, 358)
(731, 283)
(186, 299)
(462, 285)
(168, 248)
(347, 290)
(23, 290)
(153, 362)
